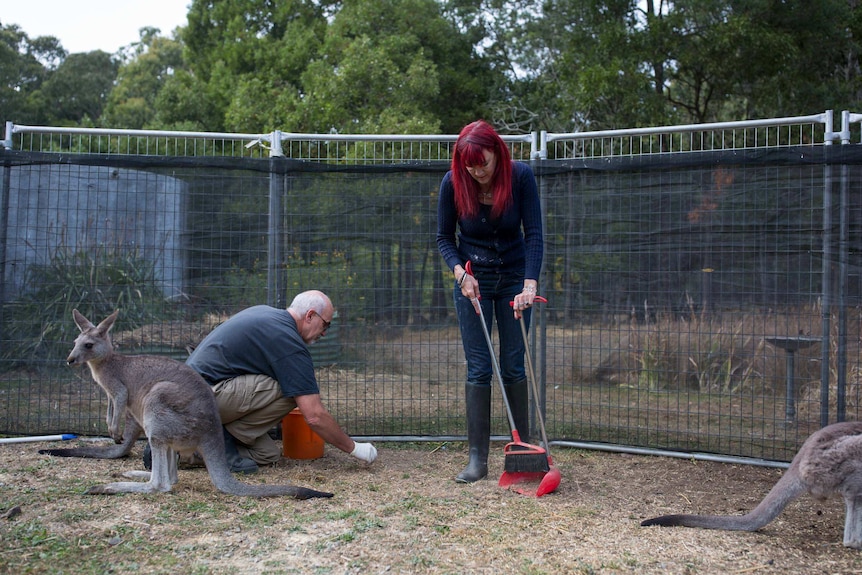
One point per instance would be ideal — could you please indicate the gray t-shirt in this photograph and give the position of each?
(258, 340)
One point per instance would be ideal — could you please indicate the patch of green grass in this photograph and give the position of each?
(421, 562)
(367, 524)
(194, 509)
(29, 547)
(343, 514)
(527, 567)
(263, 518)
(262, 547)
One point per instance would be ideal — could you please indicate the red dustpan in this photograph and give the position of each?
(549, 480)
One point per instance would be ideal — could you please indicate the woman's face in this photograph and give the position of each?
(484, 173)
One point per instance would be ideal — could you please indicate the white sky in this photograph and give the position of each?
(86, 25)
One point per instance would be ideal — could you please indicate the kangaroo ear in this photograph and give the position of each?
(108, 322)
(82, 322)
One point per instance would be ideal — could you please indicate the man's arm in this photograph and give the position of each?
(322, 422)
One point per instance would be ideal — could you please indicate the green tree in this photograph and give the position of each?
(570, 64)
(78, 89)
(725, 57)
(148, 66)
(398, 66)
(785, 67)
(598, 64)
(385, 66)
(25, 64)
(246, 58)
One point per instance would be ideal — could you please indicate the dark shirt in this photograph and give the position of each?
(497, 246)
(258, 340)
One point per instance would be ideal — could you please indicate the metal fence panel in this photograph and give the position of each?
(670, 276)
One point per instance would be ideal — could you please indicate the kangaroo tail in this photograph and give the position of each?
(788, 488)
(212, 451)
(240, 488)
(113, 451)
(225, 481)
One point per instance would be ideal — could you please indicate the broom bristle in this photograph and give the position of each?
(523, 458)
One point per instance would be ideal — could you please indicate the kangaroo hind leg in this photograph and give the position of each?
(853, 521)
(162, 477)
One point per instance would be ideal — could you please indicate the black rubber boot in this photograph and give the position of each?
(519, 402)
(237, 463)
(478, 399)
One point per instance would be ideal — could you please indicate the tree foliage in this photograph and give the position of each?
(150, 68)
(78, 89)
(24, 66)
(410, 66)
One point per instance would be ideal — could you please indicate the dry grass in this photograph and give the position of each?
(404, 514)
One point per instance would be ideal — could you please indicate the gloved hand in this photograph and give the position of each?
(364, 451)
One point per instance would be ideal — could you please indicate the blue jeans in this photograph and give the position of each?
(497, 293)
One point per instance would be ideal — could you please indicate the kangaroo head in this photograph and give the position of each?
(94, 342)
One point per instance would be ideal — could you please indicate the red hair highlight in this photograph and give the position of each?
(469, 150)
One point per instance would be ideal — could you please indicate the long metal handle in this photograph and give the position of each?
(533, 381)
(532, 372)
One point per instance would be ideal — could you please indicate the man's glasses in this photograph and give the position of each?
(326, 324)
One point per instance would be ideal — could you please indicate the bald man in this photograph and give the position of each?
(260, 369)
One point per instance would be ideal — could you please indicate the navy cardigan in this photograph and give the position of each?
(495, 246)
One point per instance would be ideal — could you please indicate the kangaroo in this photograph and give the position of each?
(828, 463)
(174, 406)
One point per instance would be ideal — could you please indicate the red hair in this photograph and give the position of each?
(469, 150)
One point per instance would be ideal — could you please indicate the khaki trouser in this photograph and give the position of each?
(249, 406)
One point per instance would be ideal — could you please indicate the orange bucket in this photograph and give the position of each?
(298, 440)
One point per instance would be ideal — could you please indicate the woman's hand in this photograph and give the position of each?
(469, 287)
(524, 299)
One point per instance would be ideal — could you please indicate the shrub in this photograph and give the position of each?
(39, 326)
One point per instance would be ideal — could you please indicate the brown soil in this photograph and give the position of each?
(404, 514)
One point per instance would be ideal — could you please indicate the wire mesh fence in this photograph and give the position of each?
(678, 276)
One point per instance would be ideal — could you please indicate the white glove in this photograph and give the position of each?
(364, 451)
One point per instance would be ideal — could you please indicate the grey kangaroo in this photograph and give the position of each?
(828, 463)
(174, 406)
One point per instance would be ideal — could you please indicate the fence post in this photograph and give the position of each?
(7, 140)
(274, 237)
(5, 186)
(540, 327)
(843, 254)
(826, 288)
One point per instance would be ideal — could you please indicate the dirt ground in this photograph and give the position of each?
(404, 514)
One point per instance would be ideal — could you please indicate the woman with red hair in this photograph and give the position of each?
(489, 214)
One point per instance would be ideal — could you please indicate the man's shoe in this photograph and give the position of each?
(236, 462)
